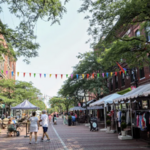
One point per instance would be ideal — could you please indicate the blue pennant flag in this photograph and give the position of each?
(107, 74)
(12, 73)
(77, 76)
(44, 75)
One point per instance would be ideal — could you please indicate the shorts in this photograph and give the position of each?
(45, 129)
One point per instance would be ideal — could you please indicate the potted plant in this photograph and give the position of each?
(123, 118)
(123, 126)
(108, 122)
(69, 120)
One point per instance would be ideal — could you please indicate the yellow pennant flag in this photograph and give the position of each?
(111, 73)
(17, 73)
(82, 75)
(50, 75)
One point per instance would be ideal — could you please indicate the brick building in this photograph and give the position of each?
(6, 64)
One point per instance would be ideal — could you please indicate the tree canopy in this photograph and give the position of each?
(22, 38)
(109, 25)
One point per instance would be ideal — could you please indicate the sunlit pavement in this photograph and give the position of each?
(71, 138)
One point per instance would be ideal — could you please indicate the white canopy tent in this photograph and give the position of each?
(140, 91)
(76, 108)
(105, 100)
(25, 105)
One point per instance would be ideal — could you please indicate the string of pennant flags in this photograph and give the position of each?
(87, 75)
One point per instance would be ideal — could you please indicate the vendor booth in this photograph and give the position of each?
(137, 106)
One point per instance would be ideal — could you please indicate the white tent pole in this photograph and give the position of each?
(131, 118)
(104, 116)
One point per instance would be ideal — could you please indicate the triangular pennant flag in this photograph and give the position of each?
(82, 75)
(103, 75)
(40, 75)
(125, 71)
(6, 72)
(2, 71)
(66, 75)
(30, 74)
(71, 76)
(17, 73)
(92, 75)
(12, 73)
(50, 75)
(61, 75)
(107, 74)
(34, 74)
(77, 76)
(97, 75)
(24, 74)
(56, 76)
(111, 73)
(88, 76)
(45, 75)
(115, 73)
(120, 67)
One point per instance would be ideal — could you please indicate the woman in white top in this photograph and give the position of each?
(34, 126)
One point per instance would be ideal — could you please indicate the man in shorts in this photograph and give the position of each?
(45, 121)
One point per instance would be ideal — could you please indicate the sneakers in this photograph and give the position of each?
(41, 140)
(48, 140)
(36, 142)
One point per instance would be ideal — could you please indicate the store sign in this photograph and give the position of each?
(133, 87)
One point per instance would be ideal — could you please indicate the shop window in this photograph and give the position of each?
(132, 76)
(116, 82)
(142, 74)
(111, 84)
(122, 79)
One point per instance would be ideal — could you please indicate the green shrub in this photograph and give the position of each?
(123, 125)
(123, 118)
(108, 122)
(108, 117)
(69, 117)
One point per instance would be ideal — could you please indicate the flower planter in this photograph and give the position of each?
(108, 128)
(123, 133)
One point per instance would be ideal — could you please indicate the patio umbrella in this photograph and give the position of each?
(25, 105)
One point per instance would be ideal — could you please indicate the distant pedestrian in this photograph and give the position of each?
(34, 126)
(50, 118)
(44, 120)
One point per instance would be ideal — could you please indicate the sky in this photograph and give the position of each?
(59, 46)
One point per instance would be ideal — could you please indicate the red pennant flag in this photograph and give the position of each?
(88, 76)
(120, 67)
(61, 75)
(30, 74)
(92, 75)
(115, 73)
(56, 76)
(120, 72)
(24, 74)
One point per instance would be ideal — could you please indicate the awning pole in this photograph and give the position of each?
(131, 118)
(104, 116)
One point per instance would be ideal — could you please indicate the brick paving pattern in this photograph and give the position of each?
(74, 138)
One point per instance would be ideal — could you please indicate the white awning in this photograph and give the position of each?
(140, 91)
(105, 100)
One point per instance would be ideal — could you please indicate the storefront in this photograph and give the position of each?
(2, 109)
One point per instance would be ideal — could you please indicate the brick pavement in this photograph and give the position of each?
(74, 138)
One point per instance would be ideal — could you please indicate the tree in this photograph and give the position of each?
(59, 101)
(109, 23)
(92, 82)
(14, 92)
(22, 38)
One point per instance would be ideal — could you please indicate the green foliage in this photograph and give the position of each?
(14, 92)
(108, 117)
(108, 122)
(22, 38)
(123, 118)
(61, 104)
(69, 118)
(79, 87)
(109, 27)
(123, 125)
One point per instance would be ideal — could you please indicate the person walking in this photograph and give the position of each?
(34, 126)
(50, 117)
(44, 120)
